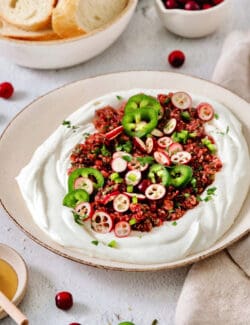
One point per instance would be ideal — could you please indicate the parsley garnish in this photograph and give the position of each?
(127, 158)
(118, 97)
(95, 242)
(216, 116)
(78, 219)
(211, 190)
(112, 244)
(127, 146)
(66, 123)
(174, 223)
(104, 151)
(145, 160)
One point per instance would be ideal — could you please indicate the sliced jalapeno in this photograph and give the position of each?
(181, 175)
(85, 173)
(142, 101)
(157, 172)
(140, 122)
(75, 197)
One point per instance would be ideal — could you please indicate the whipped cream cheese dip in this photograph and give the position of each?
(43, 184)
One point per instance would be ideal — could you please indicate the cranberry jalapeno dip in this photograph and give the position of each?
(148, 162)
(160, 175)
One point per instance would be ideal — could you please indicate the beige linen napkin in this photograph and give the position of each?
(217, 290)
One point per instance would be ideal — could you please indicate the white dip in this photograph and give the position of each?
(43, 183)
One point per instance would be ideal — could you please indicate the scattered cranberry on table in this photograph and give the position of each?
(176, 58)
(191, 4)
(64, 300)
(6, 90)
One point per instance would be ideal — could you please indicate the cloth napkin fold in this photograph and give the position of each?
(217, 290)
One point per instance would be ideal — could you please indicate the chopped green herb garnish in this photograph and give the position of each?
(145, 160)
(95, 242)
(186, 195)
(127, 146)
(193, 182)
(216, 116)
(86, 134)
(77, 218)
(104, 151)
(185, 116)
(132, 222)
(211, 190)
(174, 223)
(208, 198)
(198, 198)
(67, 123)
(118, 97)
(127, 158)
(112, 244)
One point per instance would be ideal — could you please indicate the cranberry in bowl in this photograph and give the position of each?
(192, 19)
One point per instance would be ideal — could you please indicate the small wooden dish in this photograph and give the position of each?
(15, 260)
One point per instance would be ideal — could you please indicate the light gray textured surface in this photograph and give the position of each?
(103, 296)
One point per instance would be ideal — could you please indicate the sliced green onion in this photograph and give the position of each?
(130, 188)
(134, 199)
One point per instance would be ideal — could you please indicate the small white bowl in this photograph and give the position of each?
(192, 23)
(66, 52)
(10, 256)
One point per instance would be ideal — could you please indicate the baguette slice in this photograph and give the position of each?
(73, 18)
(30, 15)
(7, 30)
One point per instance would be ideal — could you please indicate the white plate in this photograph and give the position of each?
(37, 121)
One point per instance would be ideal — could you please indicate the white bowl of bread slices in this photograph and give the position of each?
(53, 34)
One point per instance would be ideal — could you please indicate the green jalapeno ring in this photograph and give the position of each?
(161, 172)
(85, 172)
(140, 122)
(75, 197)
(140, 101)
(181, 175)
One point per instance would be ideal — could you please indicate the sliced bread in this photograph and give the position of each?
(76, 17)
(30, 15)
(7, 30)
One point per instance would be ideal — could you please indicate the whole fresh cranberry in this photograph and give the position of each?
(206, 6)
(183, 2)
(176, 58)
(74, 324)
(192, 5)
(143, 185)
(6, 90)
(64, 300)
(171, 4)
(216, 2)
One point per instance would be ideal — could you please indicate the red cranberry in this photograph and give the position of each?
(171, 4)
(64, 300)
(192, 5)
(74, 324)
(206, 6)
(6, 90)
(176, 58)
(216, 2)
(143, 185)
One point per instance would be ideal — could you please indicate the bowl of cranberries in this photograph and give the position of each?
(192, 18)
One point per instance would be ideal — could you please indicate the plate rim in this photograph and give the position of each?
(128, 267)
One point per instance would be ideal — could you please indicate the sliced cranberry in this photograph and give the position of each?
(6, 90)
(64, 300)
(192, 5)
(176, 58)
